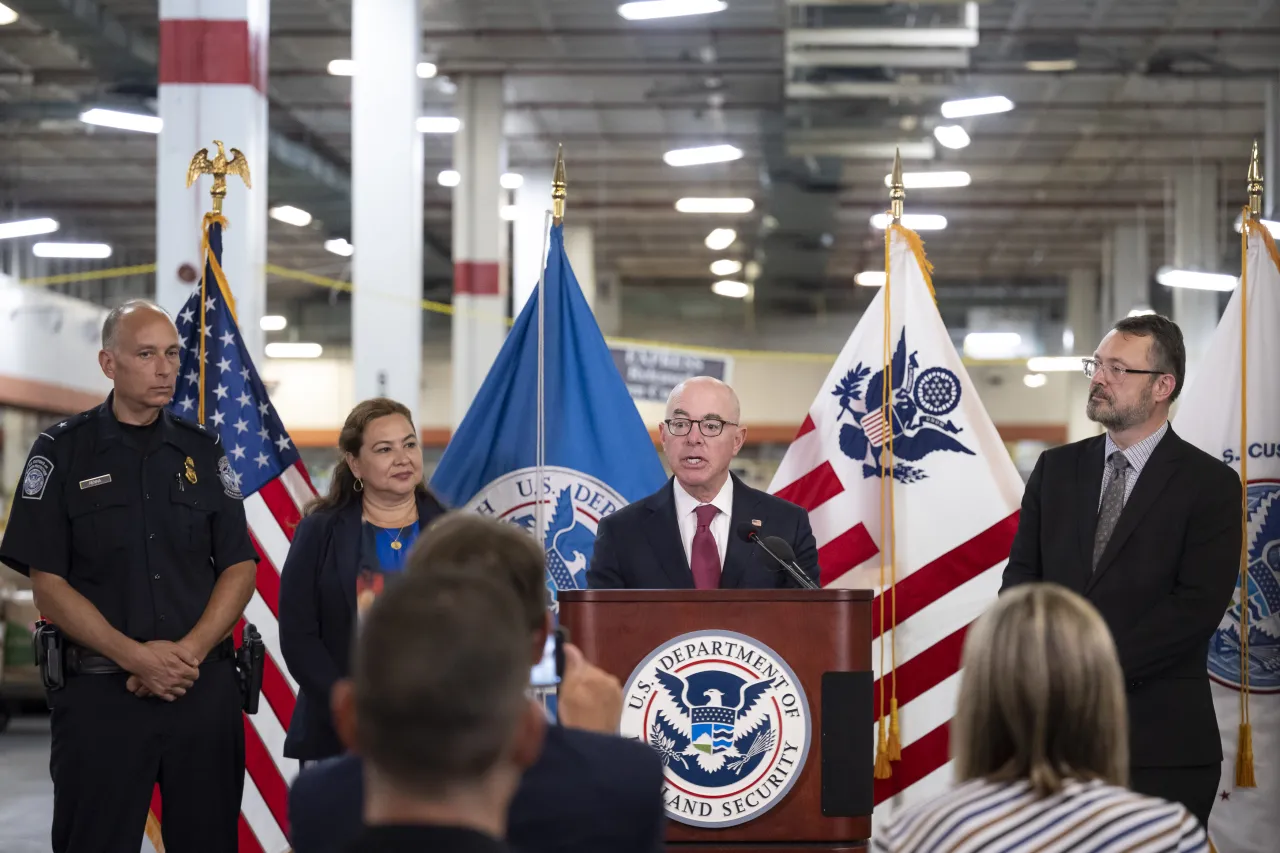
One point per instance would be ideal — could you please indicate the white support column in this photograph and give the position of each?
(1271, 151)
(479, 237)
(1083, 326)
(533, 200)
(212, 85)
(580, 246)
(1130, 272)
(386, 201)
(1195, 246)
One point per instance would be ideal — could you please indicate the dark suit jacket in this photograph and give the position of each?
(1162, 585)
(639, 546)
(586, 793)
(317, 611)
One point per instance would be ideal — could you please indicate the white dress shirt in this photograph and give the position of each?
(686, 504)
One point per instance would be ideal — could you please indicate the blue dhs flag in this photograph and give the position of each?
(219, 387)
(589, 444)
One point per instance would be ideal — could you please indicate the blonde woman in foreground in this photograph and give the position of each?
(1040, 744)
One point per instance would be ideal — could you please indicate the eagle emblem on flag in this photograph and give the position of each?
(918, 402)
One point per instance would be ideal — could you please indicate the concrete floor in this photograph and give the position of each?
(26, 793)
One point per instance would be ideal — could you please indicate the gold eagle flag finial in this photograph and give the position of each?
(220, 166)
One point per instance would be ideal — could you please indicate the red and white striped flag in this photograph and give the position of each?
(220, 388)
(921, 506)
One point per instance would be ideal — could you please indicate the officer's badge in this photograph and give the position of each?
(36, 477)
(230, 480)
(191, 471)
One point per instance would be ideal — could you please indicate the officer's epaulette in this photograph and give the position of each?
(61, 428)
(210, 434)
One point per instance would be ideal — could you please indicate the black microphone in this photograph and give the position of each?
(779, 550)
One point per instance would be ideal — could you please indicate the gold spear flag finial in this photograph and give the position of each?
(897, 191)
(558, 188)
(1255, 184)
(220, 166)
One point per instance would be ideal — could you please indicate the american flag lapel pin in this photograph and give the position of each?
(755, 522)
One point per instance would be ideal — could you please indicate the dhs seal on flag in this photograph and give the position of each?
(730, 721)
(574, 505)
(1263, 601)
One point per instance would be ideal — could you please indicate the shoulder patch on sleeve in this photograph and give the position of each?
(36, 477)
(230, 479)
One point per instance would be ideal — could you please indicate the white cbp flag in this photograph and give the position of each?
(1209, 416)
(938, 461)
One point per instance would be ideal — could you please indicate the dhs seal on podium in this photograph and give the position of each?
(730, 721)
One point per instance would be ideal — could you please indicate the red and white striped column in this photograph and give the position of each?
(479, 237)
(213, 83)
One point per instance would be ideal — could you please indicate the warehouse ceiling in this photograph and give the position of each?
(816, 95)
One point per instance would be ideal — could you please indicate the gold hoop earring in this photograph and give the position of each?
(359, 486)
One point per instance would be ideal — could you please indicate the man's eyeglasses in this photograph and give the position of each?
(1092, 366)
(710, 427)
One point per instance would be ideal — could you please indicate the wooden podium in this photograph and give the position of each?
(734, 639)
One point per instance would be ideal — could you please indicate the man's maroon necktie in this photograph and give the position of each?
(705, 557)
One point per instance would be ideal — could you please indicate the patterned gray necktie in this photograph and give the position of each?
(1112, 504)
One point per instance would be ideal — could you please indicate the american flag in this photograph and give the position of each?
(219, 387)
(955, 512)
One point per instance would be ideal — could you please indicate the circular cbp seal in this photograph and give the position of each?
(36, 477)
(572, 505)
(730, 721)
(1263, 601)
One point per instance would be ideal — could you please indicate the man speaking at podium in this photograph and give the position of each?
(703, 529)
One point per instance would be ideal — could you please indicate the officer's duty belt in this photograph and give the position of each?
(83, 661)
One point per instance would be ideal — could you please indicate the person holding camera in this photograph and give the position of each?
(589, 790)
(129, 522)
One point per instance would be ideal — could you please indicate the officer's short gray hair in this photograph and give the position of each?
(111, 326)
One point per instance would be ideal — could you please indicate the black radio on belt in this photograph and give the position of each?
(249, 668)
(50, 650)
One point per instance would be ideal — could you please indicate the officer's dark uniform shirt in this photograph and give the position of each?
(141, 521)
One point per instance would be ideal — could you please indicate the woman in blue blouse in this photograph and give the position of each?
(350, 544)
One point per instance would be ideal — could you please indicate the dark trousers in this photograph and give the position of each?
(1194, 787)
(110, 748)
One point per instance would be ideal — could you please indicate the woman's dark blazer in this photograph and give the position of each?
(317, 613)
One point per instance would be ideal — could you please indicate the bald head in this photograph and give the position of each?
(128, 314)
(716, 396)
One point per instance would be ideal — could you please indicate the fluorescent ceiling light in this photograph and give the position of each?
(647, 10)
(449, 178)
(914, 221)
(976, 107)
(1269, 224)
(512, 181)
(273, 323)
(1048, 65)
(721, 239)
(1035, 380)
(283, 349)
(1196, 280)
(27, 228)
(870, 279)
(122, 120)
(438, 124)
(339, 246)
(991, 344)
(951, 136)
(290, 215)
(731, 289)
(1056, 364)
(71, 250)
(715, 205)
(726, 267)
(702, 156)
(1141, 312)
(930, 180)
(509, 212)
(7, 15)
(347, 68)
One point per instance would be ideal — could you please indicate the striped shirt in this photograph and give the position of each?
(1008, 817)
(1137, 456)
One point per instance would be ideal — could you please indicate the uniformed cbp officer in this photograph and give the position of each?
(138, 552)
